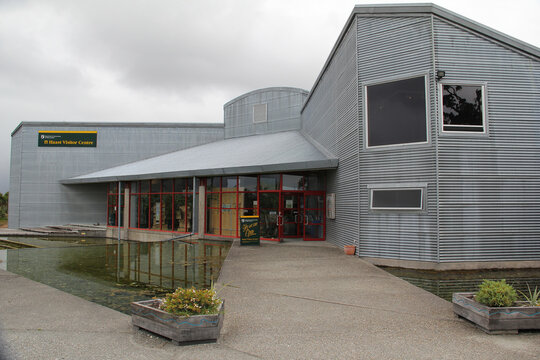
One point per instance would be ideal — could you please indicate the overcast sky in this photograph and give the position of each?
(177, 60)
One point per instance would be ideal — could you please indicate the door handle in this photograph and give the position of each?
(306, 219)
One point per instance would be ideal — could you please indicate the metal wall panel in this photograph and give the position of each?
(490, 185)
(331, 118)
(283, 111)
(39, 198)
(15, 179)
(391, 48)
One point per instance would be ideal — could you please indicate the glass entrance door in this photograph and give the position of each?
(269, 215)
(314, 215)
(292, 215)
(301, 215)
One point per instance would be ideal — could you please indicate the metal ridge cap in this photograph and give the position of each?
(430, 8)
(486, 31)
(119, 124)
(420, 8)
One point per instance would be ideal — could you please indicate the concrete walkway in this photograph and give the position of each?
(283, 301)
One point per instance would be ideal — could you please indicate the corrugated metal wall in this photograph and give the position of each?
(283, 111)
(39, 198)
(15, 180)
(391, 48)
(331, 119)
(490, 185)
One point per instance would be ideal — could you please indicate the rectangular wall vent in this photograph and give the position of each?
(259, 113)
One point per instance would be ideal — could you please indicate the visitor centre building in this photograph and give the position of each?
(419, 143)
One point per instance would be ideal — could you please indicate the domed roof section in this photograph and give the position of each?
(264, 111)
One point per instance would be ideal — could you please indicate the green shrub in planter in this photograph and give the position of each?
(187, 302)
(496, 293)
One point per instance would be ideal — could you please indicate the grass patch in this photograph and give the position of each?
(3, 223)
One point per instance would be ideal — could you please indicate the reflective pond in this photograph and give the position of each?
(444, 283)
(114, 274)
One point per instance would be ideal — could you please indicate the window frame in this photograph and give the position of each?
(483, 86)
(365, 86)
(396, 187)
(139, 193)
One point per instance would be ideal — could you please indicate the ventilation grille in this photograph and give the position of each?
(259, 113)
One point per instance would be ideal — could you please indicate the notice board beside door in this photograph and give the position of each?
(249, 230)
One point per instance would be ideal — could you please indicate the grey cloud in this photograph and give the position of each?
(186, 46)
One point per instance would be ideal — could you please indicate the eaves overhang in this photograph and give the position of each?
(280, 152)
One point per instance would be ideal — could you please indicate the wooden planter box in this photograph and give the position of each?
(496, 320)
(180, 329)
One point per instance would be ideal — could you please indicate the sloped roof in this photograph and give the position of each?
(279, 152)
(423, 8)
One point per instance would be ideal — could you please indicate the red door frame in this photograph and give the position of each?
(322, 209)
(300, 214)
(303, 193)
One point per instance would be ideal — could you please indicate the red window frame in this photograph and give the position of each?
(255, 209)
(186, 191)
(112, 194)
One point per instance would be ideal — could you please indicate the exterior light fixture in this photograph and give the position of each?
(440, 74)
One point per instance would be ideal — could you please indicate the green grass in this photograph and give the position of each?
(3, 222)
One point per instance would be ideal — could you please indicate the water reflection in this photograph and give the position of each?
(444, 283)
(115, 274)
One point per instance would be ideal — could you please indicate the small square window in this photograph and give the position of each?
(463, 108)
(397, 199)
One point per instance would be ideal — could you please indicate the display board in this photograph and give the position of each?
(249, 230)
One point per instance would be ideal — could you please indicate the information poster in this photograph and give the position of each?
(249, 230)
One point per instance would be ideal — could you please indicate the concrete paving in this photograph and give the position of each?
(298, 300)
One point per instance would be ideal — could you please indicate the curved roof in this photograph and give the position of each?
(268, 89)
(279, 152)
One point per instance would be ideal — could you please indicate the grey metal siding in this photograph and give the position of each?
(283, 111)
(331, 118)
(490, 185)
(395, 47)
(15, 180)
(42, 200)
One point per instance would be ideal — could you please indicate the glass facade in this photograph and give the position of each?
(230, 197)
(163, 205)
(283, 203)
(112, 204)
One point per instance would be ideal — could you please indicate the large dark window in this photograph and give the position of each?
(463, 108)
(396, 112)
(164, 205)
(399, 199)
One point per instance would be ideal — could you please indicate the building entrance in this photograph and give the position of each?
(301, 215)
(289, 206)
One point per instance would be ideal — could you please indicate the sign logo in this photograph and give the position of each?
(67, 138)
